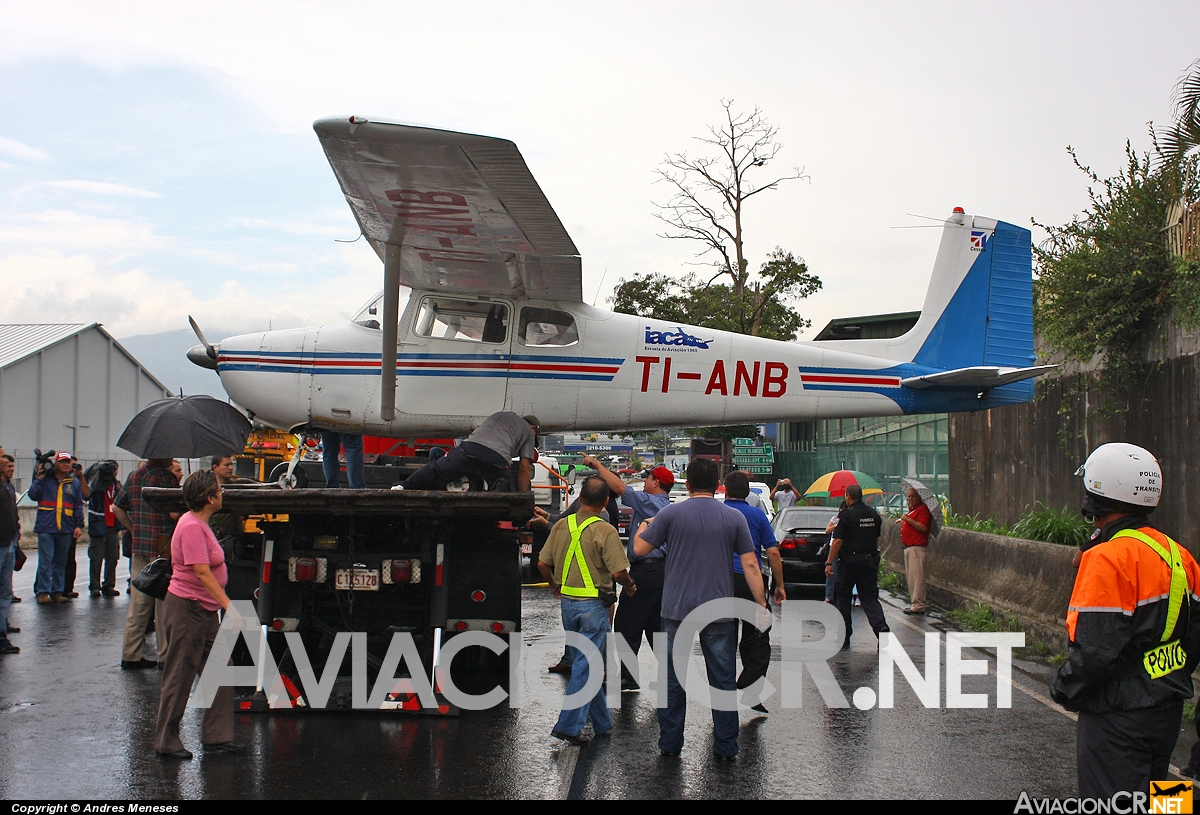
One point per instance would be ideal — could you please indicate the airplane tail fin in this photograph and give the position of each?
(978, 309)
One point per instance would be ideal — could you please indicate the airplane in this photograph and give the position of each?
(482, 310)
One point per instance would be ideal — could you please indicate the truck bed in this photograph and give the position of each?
(269, 499)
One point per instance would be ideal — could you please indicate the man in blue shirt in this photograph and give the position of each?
(700, 536)
(639, 613)
(755, 647)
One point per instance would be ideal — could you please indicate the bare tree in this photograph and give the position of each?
(709, 194)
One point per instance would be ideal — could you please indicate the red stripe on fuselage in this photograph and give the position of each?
(843, 379)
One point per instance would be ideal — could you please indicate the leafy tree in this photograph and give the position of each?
(763, 309)
(1106, 279)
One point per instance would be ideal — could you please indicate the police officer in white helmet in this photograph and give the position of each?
(1134, 629)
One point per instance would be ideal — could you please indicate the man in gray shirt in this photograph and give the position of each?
(484, 457)
(701, 536)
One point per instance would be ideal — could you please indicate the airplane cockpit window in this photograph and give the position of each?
(547, 327)
(369, 315)
(447, 319)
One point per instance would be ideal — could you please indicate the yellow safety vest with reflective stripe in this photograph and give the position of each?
(1170, 656)
(575, 552)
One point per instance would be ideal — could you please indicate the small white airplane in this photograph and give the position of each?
(482, 310)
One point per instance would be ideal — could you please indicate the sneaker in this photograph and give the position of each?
(110, 592)
(59, 597)
(43, 599)
(578, 741)
(911, 610)
(398, 488)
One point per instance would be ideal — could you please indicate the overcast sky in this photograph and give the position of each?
(157, 159)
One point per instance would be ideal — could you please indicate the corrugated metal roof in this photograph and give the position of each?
(19, 340)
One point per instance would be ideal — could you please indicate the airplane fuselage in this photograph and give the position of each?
(460, 359)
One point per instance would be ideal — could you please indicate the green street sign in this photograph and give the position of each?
(758, 469)
(739, 461)
(752, 451)
(743, 442)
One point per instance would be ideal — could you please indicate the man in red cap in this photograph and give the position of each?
(60, 516)
(639, 613)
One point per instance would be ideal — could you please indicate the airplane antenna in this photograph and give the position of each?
(339, 240)
(598, 288)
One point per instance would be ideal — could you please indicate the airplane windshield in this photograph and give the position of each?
(370, 314)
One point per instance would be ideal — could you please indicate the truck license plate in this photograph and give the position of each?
(356, 580)
(527, 548)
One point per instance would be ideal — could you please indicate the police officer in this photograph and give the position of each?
(855, 549)
(1132, 646)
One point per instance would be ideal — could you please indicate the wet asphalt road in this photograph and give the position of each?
(73, 725)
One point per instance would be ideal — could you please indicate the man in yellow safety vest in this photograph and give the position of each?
(581, 560)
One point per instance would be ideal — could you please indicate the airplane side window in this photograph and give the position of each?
(443, 318)
(548, 328)
(370, 314)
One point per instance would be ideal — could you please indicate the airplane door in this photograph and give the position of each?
(452, 362)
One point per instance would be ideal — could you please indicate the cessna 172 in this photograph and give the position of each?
(482, 310)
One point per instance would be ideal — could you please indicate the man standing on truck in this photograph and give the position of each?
(485, 457)
(641, 613)
(581, 560)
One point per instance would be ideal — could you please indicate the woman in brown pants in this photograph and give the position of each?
(191, 616)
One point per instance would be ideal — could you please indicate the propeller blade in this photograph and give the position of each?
(208, 348)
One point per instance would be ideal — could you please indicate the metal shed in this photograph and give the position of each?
(68, 386)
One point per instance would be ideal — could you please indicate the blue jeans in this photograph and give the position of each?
(589, 618)
(53, 548)
(8, 559)
(353, 445)
(718, 643)
(830, 582)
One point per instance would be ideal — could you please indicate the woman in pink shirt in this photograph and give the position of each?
(194, 599)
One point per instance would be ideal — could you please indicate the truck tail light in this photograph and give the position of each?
(461, 625)
(498, 627)
(306, 569)
(402, 571)
(478, 596)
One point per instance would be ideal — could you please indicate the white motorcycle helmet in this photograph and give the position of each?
(1120, 477)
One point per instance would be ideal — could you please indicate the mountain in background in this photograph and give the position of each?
(165, 356)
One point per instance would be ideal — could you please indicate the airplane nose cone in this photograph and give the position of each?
(197, 355)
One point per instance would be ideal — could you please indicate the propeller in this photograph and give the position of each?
(204, 354)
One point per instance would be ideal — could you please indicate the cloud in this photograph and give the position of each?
(67, 230)
(101, 188)
(17, 149)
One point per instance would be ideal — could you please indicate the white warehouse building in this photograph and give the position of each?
(68, 386)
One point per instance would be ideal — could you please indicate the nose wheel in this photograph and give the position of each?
(290, 476)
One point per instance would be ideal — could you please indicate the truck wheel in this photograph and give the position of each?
(299, 477)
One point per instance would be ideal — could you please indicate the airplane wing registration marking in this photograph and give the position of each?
(528, 366)
(464, 210)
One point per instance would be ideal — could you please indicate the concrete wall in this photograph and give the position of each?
(1004, 460)
(1030, 579)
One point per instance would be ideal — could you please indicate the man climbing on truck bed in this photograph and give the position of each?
(484, 457)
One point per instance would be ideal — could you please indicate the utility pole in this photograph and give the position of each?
(73, 428)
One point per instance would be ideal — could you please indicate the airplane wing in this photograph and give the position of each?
(463, 211)
(980, 376)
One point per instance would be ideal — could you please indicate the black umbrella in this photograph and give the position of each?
(186, 427)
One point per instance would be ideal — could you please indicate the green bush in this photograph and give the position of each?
(1064, 526)
(981, 617)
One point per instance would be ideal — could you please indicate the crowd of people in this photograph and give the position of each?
(1132, 647)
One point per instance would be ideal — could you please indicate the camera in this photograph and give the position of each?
(101, 475)
(44, 463)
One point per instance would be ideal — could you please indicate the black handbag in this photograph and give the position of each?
(154, 579)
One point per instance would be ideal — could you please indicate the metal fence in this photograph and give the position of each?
(26, 463)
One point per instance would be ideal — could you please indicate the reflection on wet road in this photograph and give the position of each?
(72, 724)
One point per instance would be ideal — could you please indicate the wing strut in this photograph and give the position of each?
(391, 321)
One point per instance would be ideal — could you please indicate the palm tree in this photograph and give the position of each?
(1183, 136)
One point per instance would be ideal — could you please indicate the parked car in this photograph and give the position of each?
(801, 534)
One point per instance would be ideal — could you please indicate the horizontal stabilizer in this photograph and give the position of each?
(982, 377)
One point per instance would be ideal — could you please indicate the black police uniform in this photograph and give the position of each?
(858, 565)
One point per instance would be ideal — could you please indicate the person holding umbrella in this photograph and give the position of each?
(915, 526)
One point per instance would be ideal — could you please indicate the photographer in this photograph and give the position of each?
(103, 529)
(59, 524)
(72, 567)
